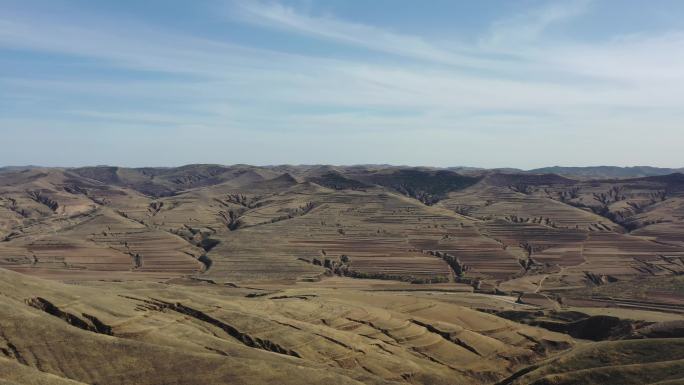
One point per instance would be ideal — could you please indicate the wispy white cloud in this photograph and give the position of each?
(535, 62)
(542, 87)
(527, 27)
(278, 16)
(637, 59)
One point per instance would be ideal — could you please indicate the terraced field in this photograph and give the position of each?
(494, 231)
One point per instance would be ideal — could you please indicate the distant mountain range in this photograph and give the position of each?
(607, 171)
(589, 172)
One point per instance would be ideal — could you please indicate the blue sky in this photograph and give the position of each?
(443, 83)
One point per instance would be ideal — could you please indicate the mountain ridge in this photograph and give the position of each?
(582, 172)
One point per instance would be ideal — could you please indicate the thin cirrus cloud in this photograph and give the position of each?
(512, 85)
(278, 16)
(528, 26)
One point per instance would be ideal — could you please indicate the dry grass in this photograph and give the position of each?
(164, 333)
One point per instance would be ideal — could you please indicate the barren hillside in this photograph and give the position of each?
(321, 274)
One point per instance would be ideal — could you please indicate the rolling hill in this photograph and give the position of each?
(338, 274)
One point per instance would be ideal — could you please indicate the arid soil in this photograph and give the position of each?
(317, 274)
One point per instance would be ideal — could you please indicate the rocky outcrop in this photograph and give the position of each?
(246, 339)
(90, 323)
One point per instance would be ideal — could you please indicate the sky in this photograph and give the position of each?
(493, 83)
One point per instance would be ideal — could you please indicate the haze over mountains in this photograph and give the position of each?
(587, 172)
(574, 172)
(608, 171)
